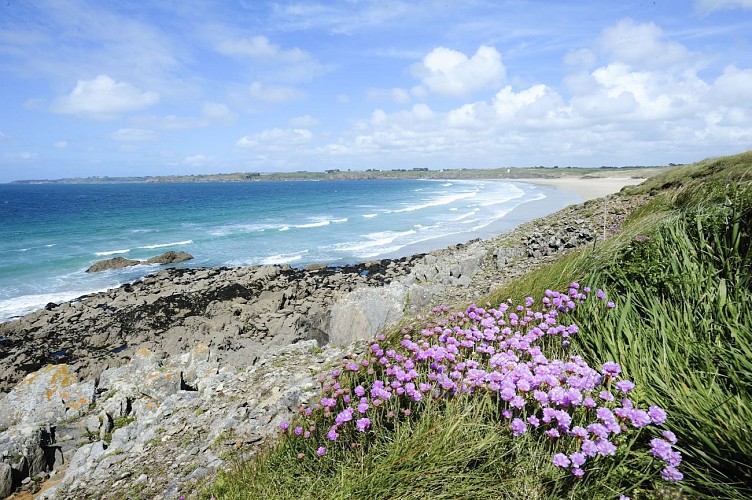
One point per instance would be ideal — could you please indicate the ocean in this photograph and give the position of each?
(51, 233)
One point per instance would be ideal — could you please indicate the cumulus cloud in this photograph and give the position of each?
(449, 72)
(616, 108)
(103, 98)
(273, 93)
(643, 46)
(133, 135)
(734, 82)
(275, 139)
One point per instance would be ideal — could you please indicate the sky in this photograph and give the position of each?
(105, 88)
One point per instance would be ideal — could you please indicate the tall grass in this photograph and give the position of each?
(684, 332)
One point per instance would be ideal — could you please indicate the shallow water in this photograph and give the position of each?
(50, 233)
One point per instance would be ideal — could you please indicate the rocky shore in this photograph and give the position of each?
(146, 389)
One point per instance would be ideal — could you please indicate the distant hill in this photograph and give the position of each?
(335, 174)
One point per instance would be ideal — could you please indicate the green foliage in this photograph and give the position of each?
(684, 332)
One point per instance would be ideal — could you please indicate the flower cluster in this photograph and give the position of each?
(497, 351)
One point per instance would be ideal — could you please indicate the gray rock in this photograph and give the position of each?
(170, 257)
(365, 311)
(6, 480)
(48, 395)
(114, 263)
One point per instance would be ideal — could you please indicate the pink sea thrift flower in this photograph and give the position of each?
(561, 460)
(362, 424)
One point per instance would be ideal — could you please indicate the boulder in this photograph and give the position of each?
(365, 311)
(114, 263)
(48, 395)
(170, 257)
(6, 480)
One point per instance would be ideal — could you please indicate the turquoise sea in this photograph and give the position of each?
(50, 233)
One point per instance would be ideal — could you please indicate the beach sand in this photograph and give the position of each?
(588, 188)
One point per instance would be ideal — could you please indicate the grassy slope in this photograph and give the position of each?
(681, 277)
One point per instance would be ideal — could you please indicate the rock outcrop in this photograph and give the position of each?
(237, 312)
(170, 257)
(159, 426)
(113, 263)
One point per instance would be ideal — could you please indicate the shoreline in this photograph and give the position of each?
(557, 196)
(181, 304)
(192, 351)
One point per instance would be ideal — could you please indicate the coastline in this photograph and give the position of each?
(57, 279)
(111, 325)
(203, 340)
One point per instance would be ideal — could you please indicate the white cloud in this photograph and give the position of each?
(103, 98)
(274, 62)
(398, 95)
(259, 47)
(585, 58)
(134, 135)
(3, 137)
(525, 103)
(276, 139)
(708, 6)
(218, 113)
(200, 161)
(273, 93)
(89, 38)
(212, 113)
(60, 144)
(23, 156)
(643, 46)
(305, 121)
(619, 109)
(450, 72)
(169, 122)
(735, 85)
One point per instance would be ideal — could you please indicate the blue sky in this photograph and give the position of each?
(92, 88)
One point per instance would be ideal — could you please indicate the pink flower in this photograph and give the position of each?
(561, 460)
(321, 451)
(362, 424)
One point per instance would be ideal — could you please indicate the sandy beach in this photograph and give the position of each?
(588, 188)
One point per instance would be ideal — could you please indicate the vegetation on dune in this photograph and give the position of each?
(575, 394)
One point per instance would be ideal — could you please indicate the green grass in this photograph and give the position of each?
(680, 273)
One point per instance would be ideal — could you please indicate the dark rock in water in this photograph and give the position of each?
(170, 257)
(114, 263)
